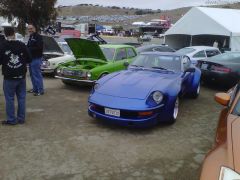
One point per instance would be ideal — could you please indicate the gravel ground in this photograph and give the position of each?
(60, 142)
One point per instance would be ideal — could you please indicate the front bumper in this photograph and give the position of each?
(47, 70)
(75, 80)
(143, 122)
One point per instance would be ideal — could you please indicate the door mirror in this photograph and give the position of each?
(126, 64)
(222, 98)
(191, 70)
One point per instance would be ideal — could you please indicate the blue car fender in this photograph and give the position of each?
(195, 81)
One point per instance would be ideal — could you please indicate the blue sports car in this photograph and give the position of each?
(147, 92)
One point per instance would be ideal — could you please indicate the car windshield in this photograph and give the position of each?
(185, 50)
(66, 49)
(108, 53)
(229, 56)
(156, 61)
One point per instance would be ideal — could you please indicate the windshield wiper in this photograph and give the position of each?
(135, 65)
(162, 68)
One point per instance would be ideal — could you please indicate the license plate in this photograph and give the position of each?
(112, 112)
(204, 66)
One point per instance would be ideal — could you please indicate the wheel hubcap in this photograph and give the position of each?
(175, 112)
(198, 89)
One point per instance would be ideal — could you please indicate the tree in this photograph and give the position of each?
(39, 12)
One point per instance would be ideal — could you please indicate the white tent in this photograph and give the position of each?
(203, 26)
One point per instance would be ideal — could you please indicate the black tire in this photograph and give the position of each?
(102, 75)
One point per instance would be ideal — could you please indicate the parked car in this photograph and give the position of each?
(53, 55)
(93, 60)
(155, 47)
(147, 92)
(196, 53)
(223, 68)
(223, 160)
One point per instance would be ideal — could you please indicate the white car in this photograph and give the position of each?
(196, 53)
(53, 55)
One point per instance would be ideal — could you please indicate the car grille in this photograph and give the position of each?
(72, 73)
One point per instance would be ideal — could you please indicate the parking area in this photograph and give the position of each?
(60, 141)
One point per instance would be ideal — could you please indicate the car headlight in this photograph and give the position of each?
(89, 75)
(46, 63)
(96, 86)
(228, 174)
(59, 70)
(157, 97)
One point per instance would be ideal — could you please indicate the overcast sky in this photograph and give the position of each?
(151, 4)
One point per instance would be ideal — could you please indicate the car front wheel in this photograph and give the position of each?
(175, 112)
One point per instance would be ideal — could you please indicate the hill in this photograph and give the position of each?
(96, 10)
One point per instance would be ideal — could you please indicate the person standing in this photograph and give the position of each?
(35, 45)
(14, 57)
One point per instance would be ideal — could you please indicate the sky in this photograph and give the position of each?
(151, 4)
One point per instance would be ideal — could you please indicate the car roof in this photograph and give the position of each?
(115, 46)
(202, 47)
(162, 53)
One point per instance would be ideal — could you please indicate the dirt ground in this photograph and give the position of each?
(61, 142)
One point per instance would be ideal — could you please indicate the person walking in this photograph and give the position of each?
(35, 45)
(14, 57)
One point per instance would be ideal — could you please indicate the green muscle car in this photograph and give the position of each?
(93, 61)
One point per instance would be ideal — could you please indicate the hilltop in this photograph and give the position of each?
(96, 10)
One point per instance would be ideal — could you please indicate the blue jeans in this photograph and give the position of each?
(36, 75)
(10, 88)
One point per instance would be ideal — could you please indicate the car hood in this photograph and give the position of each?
(236, 143)
(136, 84)
(83, 48)
(51, 46)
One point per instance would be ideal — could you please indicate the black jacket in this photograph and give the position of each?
(35, 45)
(14, 57)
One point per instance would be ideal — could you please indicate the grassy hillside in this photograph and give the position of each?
(175, 14)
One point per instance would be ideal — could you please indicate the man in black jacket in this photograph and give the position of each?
(14, 58)
(35, 45)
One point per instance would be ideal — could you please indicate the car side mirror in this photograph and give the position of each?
(191, 70)
(222, 98)
(126, 64)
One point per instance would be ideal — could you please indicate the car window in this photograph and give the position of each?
(211, 53)
(186, 63)
(121, 54)
(233, 93)
(200, 54)
(130, 53)
(236, 110)
(108, 53)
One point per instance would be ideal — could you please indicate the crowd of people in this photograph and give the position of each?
(15, 57)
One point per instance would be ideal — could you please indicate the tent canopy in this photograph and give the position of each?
(209, 24)
(202, 20)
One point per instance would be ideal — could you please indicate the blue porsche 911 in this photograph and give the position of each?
(147, 92)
